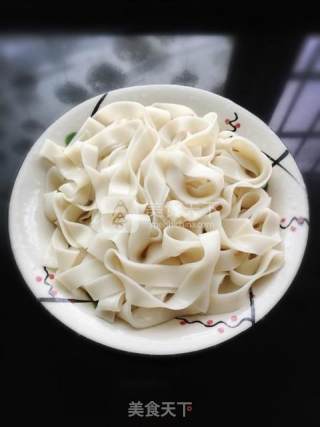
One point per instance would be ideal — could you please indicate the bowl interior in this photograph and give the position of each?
(30, 231)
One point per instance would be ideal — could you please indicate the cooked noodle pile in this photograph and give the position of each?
(158, 214)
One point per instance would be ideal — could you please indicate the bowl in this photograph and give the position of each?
(29, 231)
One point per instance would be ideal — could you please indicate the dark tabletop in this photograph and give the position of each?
(268, 375)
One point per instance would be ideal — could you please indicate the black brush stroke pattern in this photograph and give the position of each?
(231, 122)
(58, 299)
(299, 220)
(97, 106)
(52, 298)
(280, 158)
(45, 281)
(251, 319)
(277, 162)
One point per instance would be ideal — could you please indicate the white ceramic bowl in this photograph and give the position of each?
(30, 231)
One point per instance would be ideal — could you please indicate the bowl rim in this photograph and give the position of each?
(137, 350)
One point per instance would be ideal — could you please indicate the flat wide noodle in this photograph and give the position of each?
(158, 214)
